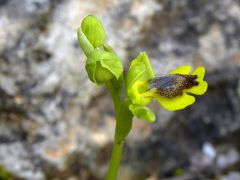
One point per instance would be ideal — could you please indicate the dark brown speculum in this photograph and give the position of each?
(173, 85)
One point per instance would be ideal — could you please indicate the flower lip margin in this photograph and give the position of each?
(202, 86)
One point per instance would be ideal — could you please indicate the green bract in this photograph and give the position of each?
(136, 84)
(102, 66)
(93, 30)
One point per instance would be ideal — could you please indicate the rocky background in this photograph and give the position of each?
(55, 124)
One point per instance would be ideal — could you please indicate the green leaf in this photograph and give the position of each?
(93, 30)
(142, 112)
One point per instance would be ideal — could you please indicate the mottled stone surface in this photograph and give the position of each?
(55, 124)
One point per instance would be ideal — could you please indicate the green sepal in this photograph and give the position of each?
(142, 112)
(135, 71)
(113, 63)
(136, 83)
(102, 74)
(108, 48)
(91, 68)
(124, 122)
(84, 43)
(93, 30)
(140, 69)
(102, 66)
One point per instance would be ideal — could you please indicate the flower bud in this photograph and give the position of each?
(102, 66)
(93, 30)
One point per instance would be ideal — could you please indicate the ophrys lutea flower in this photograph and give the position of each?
(174, 91)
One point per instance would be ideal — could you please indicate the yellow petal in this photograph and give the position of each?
(181, 70)
(200, 89)
(200, 72)
(177, 103)
(136, 96)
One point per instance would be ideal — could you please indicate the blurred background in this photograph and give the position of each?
(55, 124)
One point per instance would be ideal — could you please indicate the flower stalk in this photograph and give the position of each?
(115, 160)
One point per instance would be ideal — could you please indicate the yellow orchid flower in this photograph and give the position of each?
(174, 91)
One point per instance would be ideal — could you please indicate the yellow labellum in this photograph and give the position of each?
(185, 99)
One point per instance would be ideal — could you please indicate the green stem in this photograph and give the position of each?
(115, 160)
(116, 95)
(123, 127)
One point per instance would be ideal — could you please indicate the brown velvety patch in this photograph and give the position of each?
(173, 85)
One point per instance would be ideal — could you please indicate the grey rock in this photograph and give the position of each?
(231, 176)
